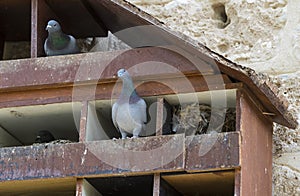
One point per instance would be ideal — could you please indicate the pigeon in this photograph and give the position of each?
(129, 113)
(57, 42)
(44, 136)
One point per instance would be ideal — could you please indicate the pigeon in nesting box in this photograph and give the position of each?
(129, 113)
(57, 42)
(44, 136)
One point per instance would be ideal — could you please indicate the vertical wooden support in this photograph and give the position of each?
(156, 184)
(256, 149)
(83, 121)
(40, 14)
(237, 182)
(79, 185)
(159, 116)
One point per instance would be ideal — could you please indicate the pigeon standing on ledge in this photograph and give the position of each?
(129, 113)
(44, 136)
(57, 42)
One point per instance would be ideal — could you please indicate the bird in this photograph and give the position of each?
(129, 112)
(57, 42)
(44, 136)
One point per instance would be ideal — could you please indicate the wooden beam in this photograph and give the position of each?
(92, 159)
(91, 67)
(212, 152)
(105, 90)
(256, 133)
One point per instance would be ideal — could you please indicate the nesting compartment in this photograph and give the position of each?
(20, 125)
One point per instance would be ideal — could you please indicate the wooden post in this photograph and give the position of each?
(83, 121)
(256, 149)
(156, 184)
(159, 116)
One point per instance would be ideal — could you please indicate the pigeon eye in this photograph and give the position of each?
(54, 25)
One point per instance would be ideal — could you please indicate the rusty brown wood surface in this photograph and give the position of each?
(83, 121)
(212, 152)
(98, 158)
(159, 116)
(256, 150)
(108, 90)
(96, 66)
(110, 158)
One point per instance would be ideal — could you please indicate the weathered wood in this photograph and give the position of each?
(83, 121)
(104, 90)
(156, 184)
(256, 150)
(91, 67)
(159, 116)
(212, 152)
(98, 158)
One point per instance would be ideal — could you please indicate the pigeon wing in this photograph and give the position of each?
(114, 114)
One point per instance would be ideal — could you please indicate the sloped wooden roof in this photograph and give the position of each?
(125, 15)
(119, 17)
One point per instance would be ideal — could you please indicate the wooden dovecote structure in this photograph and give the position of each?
(71, 96)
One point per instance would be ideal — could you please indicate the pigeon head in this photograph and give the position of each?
(53, 26)
(44, 136)
(122, 73)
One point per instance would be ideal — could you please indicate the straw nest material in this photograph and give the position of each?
(194, 119)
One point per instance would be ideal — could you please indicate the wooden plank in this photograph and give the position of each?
(97, 158)
(212, 152)
(256, 133)
(91, 67)
(105, 90)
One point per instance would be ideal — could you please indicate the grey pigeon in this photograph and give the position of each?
(57, 42)
(44, 136)
(129, 113)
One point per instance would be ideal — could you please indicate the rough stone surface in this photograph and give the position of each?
(261, 34)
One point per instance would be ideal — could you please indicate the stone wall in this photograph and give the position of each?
(261, 34)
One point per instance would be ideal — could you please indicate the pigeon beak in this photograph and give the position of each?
(48, 27)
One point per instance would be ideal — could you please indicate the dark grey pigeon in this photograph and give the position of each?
(129, 113)
(44, 136)
(57, 42)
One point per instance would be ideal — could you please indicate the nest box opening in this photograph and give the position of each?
(22, 125)
(129, 185)
(207, 183)
(15, 29)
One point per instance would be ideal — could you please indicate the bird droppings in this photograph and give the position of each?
(195, 119)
